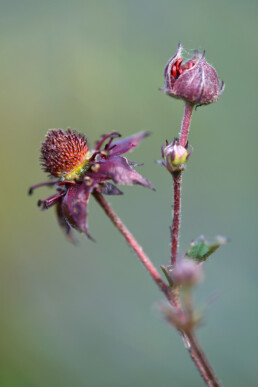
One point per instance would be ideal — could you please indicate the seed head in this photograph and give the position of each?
(64, 154)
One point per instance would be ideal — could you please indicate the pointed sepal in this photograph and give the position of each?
(118, 169)
(127, 144)
(63, 223)
(74, 207)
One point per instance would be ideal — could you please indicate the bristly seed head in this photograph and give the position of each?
(65, 154)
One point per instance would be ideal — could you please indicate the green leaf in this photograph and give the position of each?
(200, 249)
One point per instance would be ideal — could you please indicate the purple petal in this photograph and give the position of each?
(74, 206)
(127, 144)
(118, 169)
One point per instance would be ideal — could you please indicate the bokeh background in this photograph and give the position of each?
(87, 315)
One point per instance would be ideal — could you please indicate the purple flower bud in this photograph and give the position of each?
(194, 80)
(186, 273)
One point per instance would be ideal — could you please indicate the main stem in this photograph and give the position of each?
(185, 126)
(177, 180)
(194, 349)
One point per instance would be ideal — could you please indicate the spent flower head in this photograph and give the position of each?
(193, 80)
(76, 172)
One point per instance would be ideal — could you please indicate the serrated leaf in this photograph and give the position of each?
(200, 249)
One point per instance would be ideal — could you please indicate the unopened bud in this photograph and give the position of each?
(174, 156)
(194, 80)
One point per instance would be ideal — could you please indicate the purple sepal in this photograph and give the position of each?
(127, 144)
(63, 223)
(74, 207)
(200, 84)
(118, 169)
(171, 62)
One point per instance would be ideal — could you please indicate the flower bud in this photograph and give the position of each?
(194, 81)
(186, 273)
(174, 155)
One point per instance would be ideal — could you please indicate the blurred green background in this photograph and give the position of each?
(86, 315)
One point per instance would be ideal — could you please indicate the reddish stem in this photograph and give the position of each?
(201, 362)
(186, 123)
(177, 179)
(192, 346)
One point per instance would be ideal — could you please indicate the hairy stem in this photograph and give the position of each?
(194, 348)
(177, 179)
(201, 362)
(192, 345)
(185, 126)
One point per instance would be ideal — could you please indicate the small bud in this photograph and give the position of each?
(174, 156)
(186, 273)
(194, 81)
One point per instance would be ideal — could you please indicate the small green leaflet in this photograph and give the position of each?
(200, 249)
